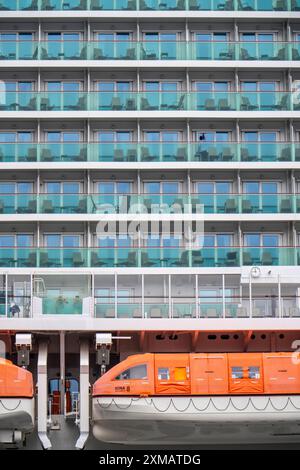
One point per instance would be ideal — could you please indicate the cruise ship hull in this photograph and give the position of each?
(196, 420)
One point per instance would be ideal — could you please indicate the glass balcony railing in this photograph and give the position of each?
(148, 257)
(149, 5)
(149, 101)
(148, 50)
(150, 152)
(62, 305)
(149, 203)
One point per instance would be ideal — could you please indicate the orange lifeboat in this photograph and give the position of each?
(16, 403)
(208, 398)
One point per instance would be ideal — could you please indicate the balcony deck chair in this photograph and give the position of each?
(146, 106)
(246, 104)
(95, 5)
(148, 55)
(131, 155)
(244, 55)
(286, 206)
(146, 261)
(30, 262)
(2, 207)
(32, 6)
(155, 312)
(145, 155)
(79, 106)
(45, 262)
(82, 155)
(116, 104)
(197, 258)
(242, 312)
(183, 261)
(118, 155)
(283, 104)
(144, 5)
(194, 5)
(45, 105)
(137, 313)
(257, 313)
(81, 208)
(179, 205)
(279, 5)
(129, 262)
(47, 207)
(44, 54)
(46, 155)
(98, 54)
(212, 154)
(130, 54)
(231, 259)
(181, 155)
(267, 259)
(223, 105)
(294, 312)
(285, 155)
(295, 54)
(82, 5)
(96, 261)
(230, 206)
(31, 155)
(179, 6)
(131, 5)
(130, 104)
(29, 209)
(31, 106)
(109, 313)
(280, 55)
(209, 104)
(77, 260)
(179, 105)
(247, 207)
(212, 313)
(227, 155)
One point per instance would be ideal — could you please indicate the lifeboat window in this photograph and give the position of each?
(237, 372)
(163, 373)
(180, 373)
(253, 372)
(134, 373)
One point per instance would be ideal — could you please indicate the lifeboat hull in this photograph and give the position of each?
(16, 419)
(197, 420)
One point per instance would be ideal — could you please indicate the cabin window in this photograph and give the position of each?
(253, 372)
(163, 373)
(180, 373)
(237, 372)
(134, 373)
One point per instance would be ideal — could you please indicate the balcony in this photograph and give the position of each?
(24, 203)
(150, 152)
(150, 5)
(150, 101)
(148, 50)
(109, 257)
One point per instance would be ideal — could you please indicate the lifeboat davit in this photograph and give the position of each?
(16, 403)
(199, 399)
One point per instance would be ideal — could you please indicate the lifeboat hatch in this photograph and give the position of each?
(172, 374)
(209, 372)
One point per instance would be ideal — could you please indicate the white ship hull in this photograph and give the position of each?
(197, 420)
(16, 419)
